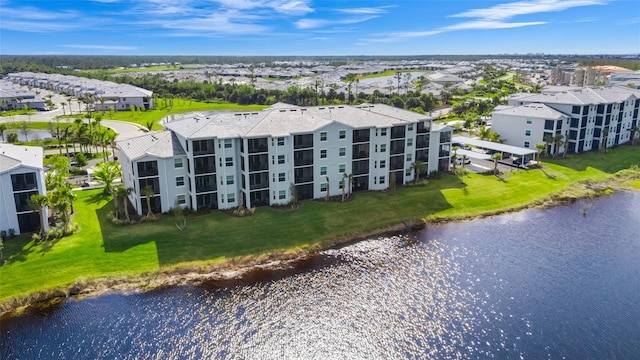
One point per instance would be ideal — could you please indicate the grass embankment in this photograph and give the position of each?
(101, 249)
(389, 73)
(179, 106)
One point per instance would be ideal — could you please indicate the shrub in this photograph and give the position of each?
(12, 233)
(3, 234)
(81, 159)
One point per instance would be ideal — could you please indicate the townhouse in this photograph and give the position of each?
(21, 175)
(590, 118)
(269, 157)
(106, 95)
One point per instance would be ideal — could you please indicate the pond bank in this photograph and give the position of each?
(240, 267)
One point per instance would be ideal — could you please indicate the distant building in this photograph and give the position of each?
(590, 117)
(106, 94)
(211, 161)
(21, 175)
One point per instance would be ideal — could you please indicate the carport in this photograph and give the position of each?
(488, 145)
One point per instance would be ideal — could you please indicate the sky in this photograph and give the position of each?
(307, 27)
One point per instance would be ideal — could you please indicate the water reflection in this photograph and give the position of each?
(538, 284)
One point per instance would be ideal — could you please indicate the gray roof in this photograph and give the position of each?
(581, 95)
(493, 146)
(12, 156)
(535, 110)
(163, 144)
(284, 121)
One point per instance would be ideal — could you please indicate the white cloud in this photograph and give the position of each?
(509, 10)
(364, 10)
(228, 22)
(102, 47)
(495, 17)
(318, 23)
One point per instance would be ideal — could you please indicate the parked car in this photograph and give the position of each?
(519, 161)
(460, 160)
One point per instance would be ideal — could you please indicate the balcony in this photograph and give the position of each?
(303, 141)
(360, 151)
(397, 147)
(303, 158)
(398, 132)
(203, 147)
(259, 181)
(303, 175)
(147, 169)
(258, 145)
(360, 167)
(206, 183)
(205, 165)
(360, 136)
(258, 162)
(22, 182)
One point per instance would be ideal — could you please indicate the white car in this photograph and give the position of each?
(460, 160)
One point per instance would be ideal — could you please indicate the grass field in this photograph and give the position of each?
(101, 249)
(179, 106)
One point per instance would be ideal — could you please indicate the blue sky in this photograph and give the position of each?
(306, 27)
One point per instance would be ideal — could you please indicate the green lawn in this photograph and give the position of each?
(179, 106)
(102, 249)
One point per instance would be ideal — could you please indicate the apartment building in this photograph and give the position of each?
(106, 95)
(268, 157)
(590, 117)
(21, 175)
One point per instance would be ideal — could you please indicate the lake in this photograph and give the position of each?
(537, 284)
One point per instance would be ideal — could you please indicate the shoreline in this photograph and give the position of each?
(238, 268)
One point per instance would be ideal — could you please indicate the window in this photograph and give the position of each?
(230, 180)
(526, 144)
(383, 147)
(409, 142)
(407, 172)
(280, 141)
(282, 177)
(529, 121)
(231, 197)
(527, 132)
(383, 132)
(228, 143)
(323, 170)
(343, 134)
(342, 168)
(280, 159)
(181, 199)
(179, 180)
(323, 154)
(282, 194)
(409, 157)
(342, 151)
(323, 136)
(382, 179)
(410, 127)
(228, 161)
(323, 187)
(383, 164)
(177, 163)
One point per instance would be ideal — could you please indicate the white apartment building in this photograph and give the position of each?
(106, 94)
(210, 161)
(591, 117)
(21, 175)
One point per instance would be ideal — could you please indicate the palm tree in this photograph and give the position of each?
(350, 188)
(605, 134)
(496, 157)
(64, 112)
(69, 102)
(455, 157)
(24, 129)
(483, 132)
(350, 78)
(326, 198)
(39, 203)
(547, 143)
(418, 168)
(148, 193)
(107, 173)
(123, 193)
(3, 127)
(557, 142)
(635, 134)
(345, 178)
(541, 149)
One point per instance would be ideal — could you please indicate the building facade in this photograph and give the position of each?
(21, 175)
(588, 118)
(269, 157)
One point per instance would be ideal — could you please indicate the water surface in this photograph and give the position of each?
(536, 284)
